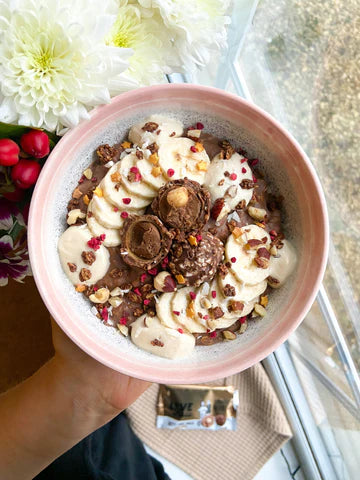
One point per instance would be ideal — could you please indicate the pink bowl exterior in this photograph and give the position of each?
(305, 182)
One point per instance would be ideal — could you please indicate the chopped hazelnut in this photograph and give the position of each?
(259, 310)
(164, 282)
(100, 296)
(257, 213)
(88, 173)
(80, 287)
(124, 330)
(229, 335)
(73, 215)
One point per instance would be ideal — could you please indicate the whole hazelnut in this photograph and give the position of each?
(178, 197)
(164, 282)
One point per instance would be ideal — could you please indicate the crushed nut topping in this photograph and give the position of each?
(235, 306)
(84, 274)
(106, 153)
(247, 184)
(229, 290)
(138, 312)
(116, 273)
(153, 147)
(223, 270)
(150, 127)
(241, 205)
(80, 288)
(216, 312)
(88, 257)
(157, 343)
(72, 267)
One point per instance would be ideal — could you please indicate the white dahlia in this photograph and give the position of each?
(196, 28)
(54, 63)
(138, 29)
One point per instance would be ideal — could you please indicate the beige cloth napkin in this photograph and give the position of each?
(262, 428)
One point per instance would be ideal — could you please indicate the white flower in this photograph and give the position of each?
(196, 29)
(137, 28)
(54, 63)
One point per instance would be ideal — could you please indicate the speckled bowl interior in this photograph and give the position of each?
(288, 172)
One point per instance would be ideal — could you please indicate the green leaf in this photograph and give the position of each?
(7, 130)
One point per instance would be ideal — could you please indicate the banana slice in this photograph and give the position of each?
(164, 311)
(201, 305)
(282, 266)
(249, 306)
(166, 126)
(104, 212)
(139, 187)
(243, 292)
(228, 186)
(151, 174)
(242, 260)
(71, 245)
(177, 160)
(179, 308)
(149, 334)
(115, 193)
(218, 300)
(112, 235)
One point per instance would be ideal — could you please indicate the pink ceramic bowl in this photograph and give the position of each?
(289, 172)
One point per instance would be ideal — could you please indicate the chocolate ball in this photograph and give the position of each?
(194, 259)
(182, 204)
(145, 241)
(220, 419)
(207, 421)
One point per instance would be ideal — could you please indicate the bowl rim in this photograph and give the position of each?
(134, 368)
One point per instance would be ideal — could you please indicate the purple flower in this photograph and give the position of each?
(14, 258)
(14, 262)
(9, 213)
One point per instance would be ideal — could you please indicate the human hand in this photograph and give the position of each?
(98, 390)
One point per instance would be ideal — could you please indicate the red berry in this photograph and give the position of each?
(170, 172)
(124, 214)
(126, 200)
(9, 152)
(35, 143)
(25, 173)
(16, 195)
(233, 176)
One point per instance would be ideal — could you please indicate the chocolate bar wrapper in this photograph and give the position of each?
(197, 407)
